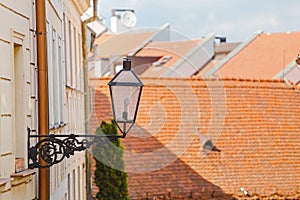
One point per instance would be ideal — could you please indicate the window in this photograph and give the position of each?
(75, 58)
(50, 73)
(80, 65)
(67, 47)
(74, 71)
(79, 183)
(56, 77)
(72, 53)
(73, 184)
(69, 187)
(61, 75)
(55, 84)
(19, 105)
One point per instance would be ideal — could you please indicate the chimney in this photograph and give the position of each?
(221, 39)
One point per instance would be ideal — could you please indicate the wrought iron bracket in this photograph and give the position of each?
(52, 149)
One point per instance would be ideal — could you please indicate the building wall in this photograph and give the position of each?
(66, 93)
(17, 99)
(18, 95)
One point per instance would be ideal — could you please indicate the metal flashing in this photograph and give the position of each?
(286, 70)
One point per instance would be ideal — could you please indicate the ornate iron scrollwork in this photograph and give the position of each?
(52, 149)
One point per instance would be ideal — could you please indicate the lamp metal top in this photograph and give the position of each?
(126, 63)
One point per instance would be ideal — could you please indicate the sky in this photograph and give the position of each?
(237, 20)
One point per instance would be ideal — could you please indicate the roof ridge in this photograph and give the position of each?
(195, 40)
(229, 82)
(277, 80)
(219, 79)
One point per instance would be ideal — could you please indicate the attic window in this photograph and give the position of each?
(162, 61)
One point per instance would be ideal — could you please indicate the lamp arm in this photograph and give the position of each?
(52, 149)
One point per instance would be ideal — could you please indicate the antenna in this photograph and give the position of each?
(128, 19)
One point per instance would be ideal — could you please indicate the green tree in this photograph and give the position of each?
(109, 175)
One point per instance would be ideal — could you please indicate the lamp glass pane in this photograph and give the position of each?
(124, 101)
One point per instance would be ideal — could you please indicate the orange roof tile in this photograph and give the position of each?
(254, 125)
(263, 57)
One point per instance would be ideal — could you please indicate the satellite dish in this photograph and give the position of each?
(128, 19)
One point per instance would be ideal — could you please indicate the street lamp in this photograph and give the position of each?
(125, 91)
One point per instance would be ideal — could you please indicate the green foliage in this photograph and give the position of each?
(109, 175)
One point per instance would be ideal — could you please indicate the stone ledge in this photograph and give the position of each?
(22, 177)
(3, 181)
(24, 173)
(5, 184)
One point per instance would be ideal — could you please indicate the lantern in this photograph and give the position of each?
(125, 91)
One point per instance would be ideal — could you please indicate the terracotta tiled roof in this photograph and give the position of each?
(264, 57)
(121, 44)
(254, 125)
(175, 50)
